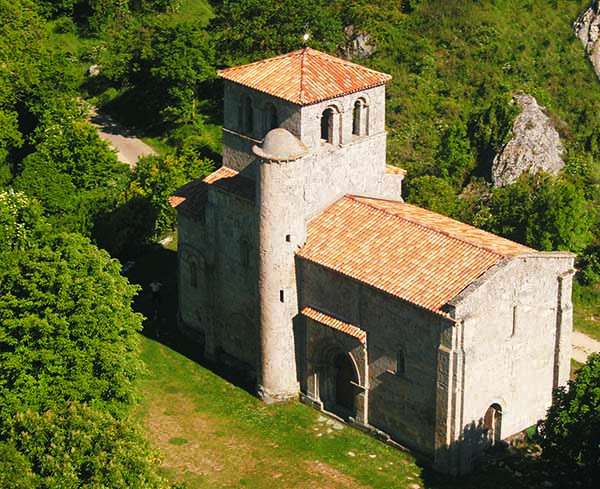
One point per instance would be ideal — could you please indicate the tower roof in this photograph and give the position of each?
(305, 77)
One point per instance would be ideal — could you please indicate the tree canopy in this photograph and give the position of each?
(570, 434)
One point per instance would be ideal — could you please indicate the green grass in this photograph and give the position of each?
(241, 442)
(586, 310)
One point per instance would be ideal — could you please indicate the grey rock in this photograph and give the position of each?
(358, 44)
(535, 145)
(587, 29)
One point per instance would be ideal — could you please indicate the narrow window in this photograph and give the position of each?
(356, 118)
(240, 116)
(193, 275)
(244, 253)
(327, 126)
(281, 297)
(400, 362)
(288, 238)
(272, 118)
(514, 321)
(249, 113)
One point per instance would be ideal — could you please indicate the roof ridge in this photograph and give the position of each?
(261, 61)
(431, 228)
(302, 74)
(346, 62)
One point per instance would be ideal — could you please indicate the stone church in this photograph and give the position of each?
(300, 265)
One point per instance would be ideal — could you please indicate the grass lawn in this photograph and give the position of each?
(586, 310)
(213, 433)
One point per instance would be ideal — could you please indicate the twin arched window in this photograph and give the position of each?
(330, 123)
(246, 117)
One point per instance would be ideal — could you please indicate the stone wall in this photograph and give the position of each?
(223, 306)
(515, 347)
(402, 405)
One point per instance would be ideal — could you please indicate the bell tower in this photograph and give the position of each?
(308, 128)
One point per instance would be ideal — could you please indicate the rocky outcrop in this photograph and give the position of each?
(587, 29)
(358, 44)
(535, 145)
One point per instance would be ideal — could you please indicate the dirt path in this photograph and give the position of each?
(129, 148)
(583, 346)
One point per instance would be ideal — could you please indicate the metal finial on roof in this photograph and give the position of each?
(305, 38)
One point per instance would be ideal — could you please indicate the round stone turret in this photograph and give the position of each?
(280, 145)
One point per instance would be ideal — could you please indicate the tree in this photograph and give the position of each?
(545, 212)
(74, 175)
(433, 193)
(67, 330)
(491, 127)
(455, 157)
(570, 434)
(167, 64)
(249, 29)
(156, 178)
(76, 446)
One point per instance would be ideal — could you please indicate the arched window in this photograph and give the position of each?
(272, 119)
(193, 274)
(244, 253)
(327, 126)
(400, 362)
(359, 118)
(249, 116)
(356, 113)
(240, 116)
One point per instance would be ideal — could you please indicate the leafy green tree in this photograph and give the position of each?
(76, 446)
(491, 127)
(67, 330)
(455, 157)
(547, 213)
(167, 65)
(570, 434)
(74, 175)
(249, 29)
(156, 178)
(433, 193)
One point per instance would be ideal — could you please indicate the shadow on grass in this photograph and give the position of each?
(159, 264)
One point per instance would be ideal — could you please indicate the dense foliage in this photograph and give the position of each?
(68, 356)
(75, 446)
(570, 434)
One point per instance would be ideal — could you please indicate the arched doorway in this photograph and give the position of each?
(345, 380)
(492, 422)
(338, 379)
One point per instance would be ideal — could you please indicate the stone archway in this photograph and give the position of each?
(345, 382)
(492, 423)
(338, 381)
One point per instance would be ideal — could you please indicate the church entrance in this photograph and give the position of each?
(345, 378)
(338, 380)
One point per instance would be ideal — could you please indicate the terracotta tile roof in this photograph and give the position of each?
(305, 76)
(192, 196)
(409, 252)
(335, 323)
